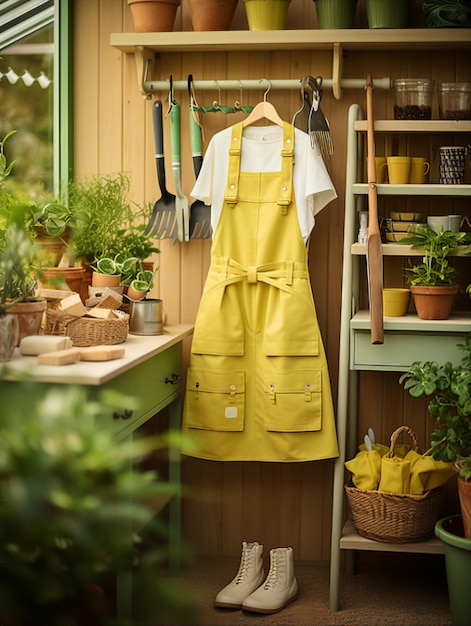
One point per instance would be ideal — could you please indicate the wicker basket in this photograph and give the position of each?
(86, 331)
(394, 518)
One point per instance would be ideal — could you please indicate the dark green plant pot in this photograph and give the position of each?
(458, 567)
(387, 13)
(335, 13)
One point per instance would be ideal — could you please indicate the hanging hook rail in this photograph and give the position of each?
(249, 84)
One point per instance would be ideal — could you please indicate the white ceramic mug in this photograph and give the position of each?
(438, 221)
(455, 222)
(448, 222)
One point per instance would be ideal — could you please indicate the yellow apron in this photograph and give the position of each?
(258, 386)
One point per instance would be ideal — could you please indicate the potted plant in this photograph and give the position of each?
(141, 284)
(146, 314)
(207, 15)
(387, 13)
(266, 14)
(336, 13)
(153, 15)
(433, 281)
(450, 407)
(18, 264)
(69, 496)
(106, 272)
(106, 223)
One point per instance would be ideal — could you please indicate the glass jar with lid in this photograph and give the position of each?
(413, 98)
(454, 101)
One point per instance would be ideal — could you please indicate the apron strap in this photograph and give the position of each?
(287, 163)
(232, 185)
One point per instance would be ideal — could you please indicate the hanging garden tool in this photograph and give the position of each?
(374, 257)
(162, 222)
(301, 118)
(181, 202)
(318, 126)
(200, 213)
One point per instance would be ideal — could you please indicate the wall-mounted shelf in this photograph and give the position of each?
(146, 45)
(432, 189)
(414, 126)
(402, 249)
(317, 39)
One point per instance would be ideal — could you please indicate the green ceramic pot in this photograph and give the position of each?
(332, 14)
(458, 567)
(387, 13)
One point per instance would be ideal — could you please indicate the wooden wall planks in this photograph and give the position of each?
(227, 503)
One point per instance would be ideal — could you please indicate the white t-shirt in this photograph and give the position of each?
(261, 152)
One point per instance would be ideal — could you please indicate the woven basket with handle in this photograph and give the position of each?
(86, 331)
(390, 517)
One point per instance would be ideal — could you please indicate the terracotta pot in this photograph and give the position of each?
(212, 14)
(54, 248)
(134, 294)
(8, 336)
(434, 303)
(30, 317)
(105, 280)
(153, 16)
(464, 492)
(53, 276)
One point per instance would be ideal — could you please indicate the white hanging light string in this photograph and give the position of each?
(12, 77)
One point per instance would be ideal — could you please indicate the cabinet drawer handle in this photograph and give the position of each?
(123, 416)
(173, 380)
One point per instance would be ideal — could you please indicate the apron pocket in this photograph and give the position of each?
(293, 400)
(215, 399)
(291, 327)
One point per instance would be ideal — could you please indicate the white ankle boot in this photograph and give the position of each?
(280, 586)
(248, 578)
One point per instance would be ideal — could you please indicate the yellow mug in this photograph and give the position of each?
(380, 166)
(398, 169)
(419, 168)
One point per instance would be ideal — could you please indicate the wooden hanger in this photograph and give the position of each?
(263, 110)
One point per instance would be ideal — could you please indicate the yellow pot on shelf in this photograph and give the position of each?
(395, 302)
(266, 14)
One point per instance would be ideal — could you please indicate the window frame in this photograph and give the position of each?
(63, 126)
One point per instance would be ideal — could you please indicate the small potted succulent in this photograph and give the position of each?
(106, 272)
(141, 284)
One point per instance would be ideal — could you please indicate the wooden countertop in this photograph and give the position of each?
(138, 348)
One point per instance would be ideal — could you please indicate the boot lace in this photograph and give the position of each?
(276, 566)
(245, 562)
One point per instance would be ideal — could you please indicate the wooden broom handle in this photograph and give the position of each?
(374, 252)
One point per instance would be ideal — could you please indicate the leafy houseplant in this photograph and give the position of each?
(18, 265)
(69, 496)
(434, 276)
(450, 407)
(140, 286)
